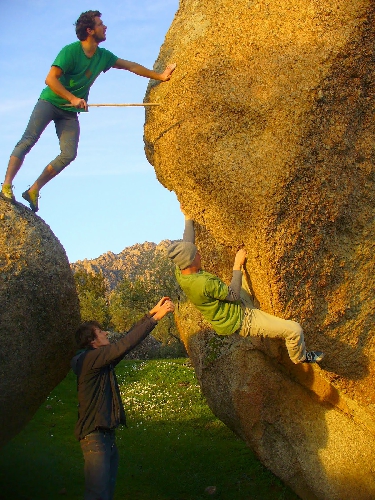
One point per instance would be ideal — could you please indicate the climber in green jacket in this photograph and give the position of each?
(230, 309)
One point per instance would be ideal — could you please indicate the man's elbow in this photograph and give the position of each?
(48, 80)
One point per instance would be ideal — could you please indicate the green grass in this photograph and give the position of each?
(173, 448)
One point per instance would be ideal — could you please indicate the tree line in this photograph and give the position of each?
(119, 309)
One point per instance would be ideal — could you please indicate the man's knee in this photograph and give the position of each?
(295, 330)
(68, 157)
(63, 160)
(24, 146)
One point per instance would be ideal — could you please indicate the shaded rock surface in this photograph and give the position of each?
(266, 134)
(39, 313)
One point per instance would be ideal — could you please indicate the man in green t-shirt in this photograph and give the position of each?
(68, 84)
(230, 309)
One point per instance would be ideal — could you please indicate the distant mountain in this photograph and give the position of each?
(133, 262)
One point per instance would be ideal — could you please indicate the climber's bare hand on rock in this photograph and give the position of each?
(239, 259)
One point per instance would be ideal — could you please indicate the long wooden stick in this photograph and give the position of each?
(122, 104)
(126, 104)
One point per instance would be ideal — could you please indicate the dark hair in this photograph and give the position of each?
(86, 20)
(86, 333)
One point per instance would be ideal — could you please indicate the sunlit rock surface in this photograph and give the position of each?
(39, 313)
(266, 134)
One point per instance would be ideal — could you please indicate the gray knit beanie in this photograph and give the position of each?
(182, 253)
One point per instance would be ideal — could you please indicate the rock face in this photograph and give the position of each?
(131, 263)
(39, 314)
(266, 134)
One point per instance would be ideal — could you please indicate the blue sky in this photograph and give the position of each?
(109, 197)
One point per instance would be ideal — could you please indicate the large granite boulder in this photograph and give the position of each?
(266, 134)
(39, 313)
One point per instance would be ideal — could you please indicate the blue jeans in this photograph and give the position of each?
(101, 464)
(67, 130)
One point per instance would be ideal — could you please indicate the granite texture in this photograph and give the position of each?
(266, 135)
(39, 315)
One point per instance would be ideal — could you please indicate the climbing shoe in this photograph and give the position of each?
(32, 198)
(313, 357)
(7, 192)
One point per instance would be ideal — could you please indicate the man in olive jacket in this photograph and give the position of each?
(100, 409)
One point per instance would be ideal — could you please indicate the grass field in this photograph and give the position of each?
(173, 448)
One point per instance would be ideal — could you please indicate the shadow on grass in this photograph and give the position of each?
(173, 458)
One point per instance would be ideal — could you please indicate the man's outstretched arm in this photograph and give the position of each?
(189, 231)
(235, 284)
(114, 352)
(140, 70)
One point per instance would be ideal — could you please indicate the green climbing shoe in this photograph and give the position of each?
(32, 198)
(7, 192)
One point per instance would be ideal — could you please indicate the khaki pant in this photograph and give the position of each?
(261, 324)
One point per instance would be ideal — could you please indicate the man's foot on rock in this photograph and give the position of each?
(32, 198)
(7, 192)
(313, 357)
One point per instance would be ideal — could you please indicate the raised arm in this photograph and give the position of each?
(235, 285)
(234, 288)
(163, 307)
(189, 231)
(113, 353)
(142, 71)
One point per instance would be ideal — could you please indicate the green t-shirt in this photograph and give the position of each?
(79, 72)
(207, 292)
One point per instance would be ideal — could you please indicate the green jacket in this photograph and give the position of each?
(208, 293)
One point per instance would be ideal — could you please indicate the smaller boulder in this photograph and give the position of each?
(39, 314)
